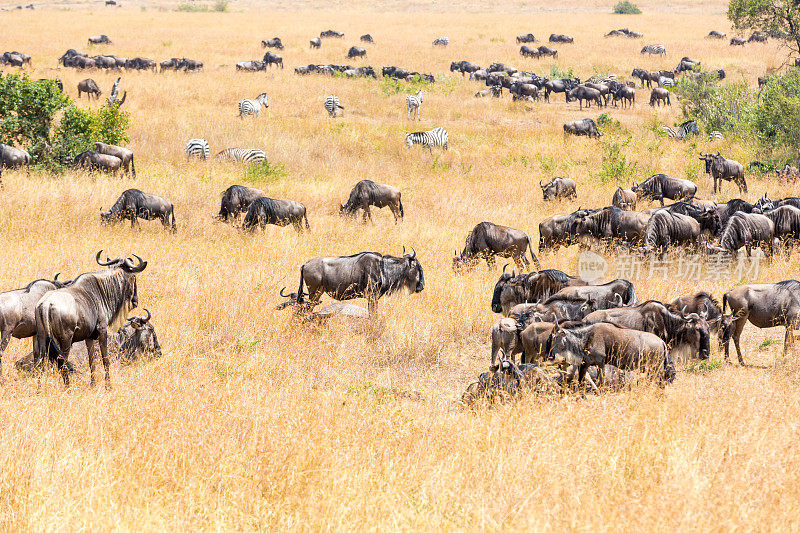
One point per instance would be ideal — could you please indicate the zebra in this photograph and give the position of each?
(441, 41)
(680, 133)
(252, 107)
(332, 105)
(664, 81)
(243, 155)
(715, 136)
(197, 148)
(414, 103)
(655, 49)
(435, 137)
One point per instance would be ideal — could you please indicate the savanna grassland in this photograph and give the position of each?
(252, 421)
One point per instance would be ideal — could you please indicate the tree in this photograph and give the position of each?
(778, 18)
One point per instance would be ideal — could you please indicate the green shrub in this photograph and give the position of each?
(557, 73)
(264, 172)
(392, 86)
(723, 107)
(615, 166)
(221, 6)
(625, 7)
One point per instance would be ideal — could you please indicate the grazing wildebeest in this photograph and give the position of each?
(316, 42)
(558, 188)
(526, 51)
(677, 329)
(660, 186)
(665, 229)
(714, 34)
(84, 311)
(659, 95)
(134, 204)
(555, 230)
(738, 41)
(730, 208)
(367, 275)
(584, 126)
(17, 311)
(511, 290)
(11, 157)
(610, 223)
(123, 153)
(527, 38)
(331, 33)
(746, 230)
(546, 51)
(236, 199)
(464, 67)
(528, 340)
(616, 293)
(606, 344)
(487, 240)
(99, 39)
(251, 66)
(275, 42)
(626, 94)
(271, 58)
(721, 168)
(356, 51)
(583, 93)
(625, 199)
(91, 161)
(366, 38)
(263, 211)
(765, 305)
(89, 86)
(495, 91)
(560, 38)
(366, 193)
(758, 37)
(559, 86)
(702, 302)
(141, 63)
(786, 220)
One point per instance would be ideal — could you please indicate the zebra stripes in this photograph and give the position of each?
(243, 155)
(681, 131)
(197, 148)
(664, 81)
(253, 106)
(428, 139)
(654, 49)
(332, 105)
(715, 136)
(413, 104)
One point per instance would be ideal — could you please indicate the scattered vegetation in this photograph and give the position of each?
(265, 172)
(221, 6)
(392, 86)
(626, 7)
(615, 166)
(779, 18)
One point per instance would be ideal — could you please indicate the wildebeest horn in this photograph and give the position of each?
(146, 320)
(621, 301)
(413, 252)
(55, 278)
(107, 261)
(540, 184)
(505, 267)
(133, 269)
(683, 311)
(284, 295)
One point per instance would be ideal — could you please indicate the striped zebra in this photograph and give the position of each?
(413, 103)
(243, 155)
(664, 81)
(680, 133)
(252, 107)
(332, 105)
(429, 139)
(197, 148)
(654, 49)
(441, 41)
(715, 136)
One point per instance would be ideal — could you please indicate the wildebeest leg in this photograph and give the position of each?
(367, 214)
(490, 262)
(61, 362)
(90, 353)
(372, 305)
(582, 372)
(738, 326)
(5, 338)
(788, 339)
(103, 339)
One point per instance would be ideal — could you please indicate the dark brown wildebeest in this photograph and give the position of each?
(788, 174)
(606, 344)
(615, 293)
(666, 229)
(117, 151)
(554, 231)
(583, 93)
(703, 302)
(84, 311)
(559, 86)
(133, 204)
(558, 188)
(356, 51)
(609, 224)
(560, 38)
(316, 42)
(676, 329)
(367, 275)
(89, 86)
(660, 186)
(786, 220)
(91, 161)
(730, 208)
(765, 305)
(748, 230)
(487, 240)
(236, 199)
(275, 42)
(626, 94)
(263, 211)
(646, 77)
(721, 169)
(495, 91)
(99, 39)
(141, 63)
(625, 199)
(526, 51)
(366, 193)
(11, 157)
(758, 37)
(271, 58)
(738, 41)
(531, 342)
(547, 51)
(714, 34)
(464, 67)
(585, 126)
(511, 290)
(527, 38)
(659, 95)
(367, 38)
(331, 33)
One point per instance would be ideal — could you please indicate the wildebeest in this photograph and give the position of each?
(788, 173)
(511, 290)
(546, 51)
(559, 86)
(765, 305)
(91, 161)
(141, 63)
(531, 340)
(15, 59)
(748, 230)
(89, 86)
(367, 275)
(366, 193)
(583, 93)
(133, 204)
(495, 91)
(463, 67)
(615, 293)
(136, 339)
(271, 58)
(738, 41)
(236, 199)
(526, 51)
(558, 188)
(331, 33)
(703, 303)
(786, 220)
(99, 39)
(356, 51)
(12, 157)
(441, 41)
(560, 38)
(275, 42)
(625, 199)
(555, 230)
(84, 311)
(610, 223)
(626, 94)
(758, 37)
(714, 34)
(527, 38)
(263, 211)
(665, 229)
(605, 344)
(366, 38)
(584, 126)
(721, 168)
(660, 186)
(316, 42)
(659, 95)
(117, 151)
(487, 240)
(251, 66)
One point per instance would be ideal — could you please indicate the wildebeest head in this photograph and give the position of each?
(505, 279)
(549, 190)
(292, 301)
(408, 274)
(566, 346)
(709, 160)
(695, 331)
(138, 338)
(127, 265)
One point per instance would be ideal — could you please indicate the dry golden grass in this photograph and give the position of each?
(250, 421)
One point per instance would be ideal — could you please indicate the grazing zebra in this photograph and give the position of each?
(413, 103)
(332, 105)
(252, 107)
(429, 139)
(654, 49)
(680, 133)
(715, 136)
(197, 148)
(243, 155)
(664, 81)
(441, 41)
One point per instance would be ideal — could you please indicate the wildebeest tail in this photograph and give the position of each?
(533, 255)
(47, 346)
(133, 167)
(402, 213)
(300, 289)
(305, 217)
(724, 302)
(172, 213)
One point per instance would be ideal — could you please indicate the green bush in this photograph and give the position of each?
(776, 116)
(723, 107)
(556, 73)
(625, 7)
(264, 172)
(221, 6)
(392, 86)
(615, 166)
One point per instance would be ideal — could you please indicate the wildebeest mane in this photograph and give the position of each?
(364, 188)
(789, 285)
(109, 289)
